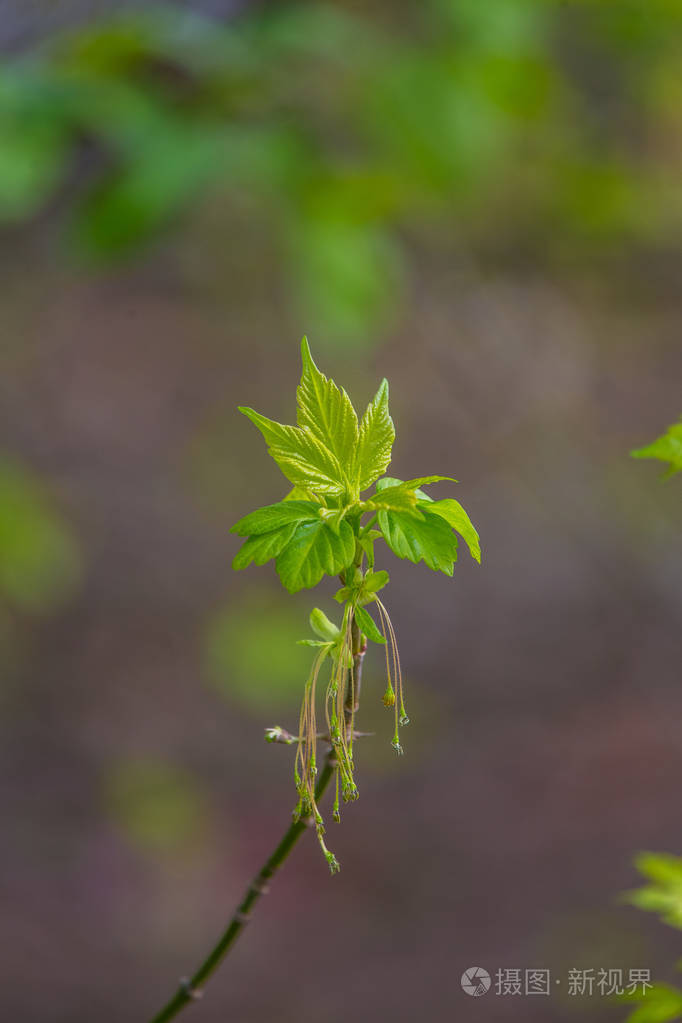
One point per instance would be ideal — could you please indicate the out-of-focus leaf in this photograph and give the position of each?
(600, 198)
(39, 556)
(508, 27)
(30, 166)
(34, 143)
(663, 895)
(434, 121)
(158, 806)
(347, 274)
(260, 676)
(660, 1003)
(129, 207)
(667, 448)
(321, 31)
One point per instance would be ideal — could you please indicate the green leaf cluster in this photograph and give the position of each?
(182, 110)
(330, 457)
(329, 452)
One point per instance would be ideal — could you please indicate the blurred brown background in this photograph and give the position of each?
(482, 203)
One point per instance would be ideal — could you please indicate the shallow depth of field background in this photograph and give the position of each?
(481, 201)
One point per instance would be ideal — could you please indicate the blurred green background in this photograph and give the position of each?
(480, 201)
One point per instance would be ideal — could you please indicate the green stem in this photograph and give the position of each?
(190, 990)
(368, 525)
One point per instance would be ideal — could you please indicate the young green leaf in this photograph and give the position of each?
(388, 481)
(366, 542)
(363, 589)
(322, 627)
(261, 548)
(272, 516)
(455, 515)
(375, 440)
(393, 499)
(367, 625)
(315, 550)
(327, 412)
(420, 481)
(301, 494)
(374, 581)
(367, 547)
(431, 541)
(304, 460)
(667, 448)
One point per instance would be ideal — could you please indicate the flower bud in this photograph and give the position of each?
(389, 696)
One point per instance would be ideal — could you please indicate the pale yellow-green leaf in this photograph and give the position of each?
(375, 440)
(303, 459)
(327, 412)
(455, 515)
(393, 499)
